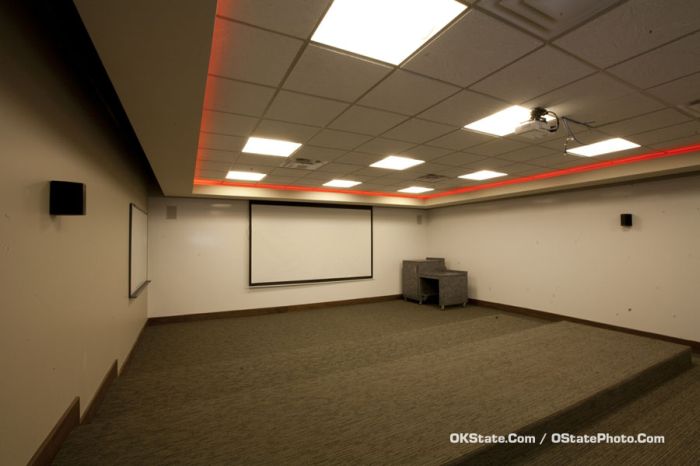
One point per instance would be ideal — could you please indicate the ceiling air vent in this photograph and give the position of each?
(431, 178)
(304, 164)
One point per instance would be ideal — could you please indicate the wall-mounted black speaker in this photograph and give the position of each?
(67, 198)
(626, 220)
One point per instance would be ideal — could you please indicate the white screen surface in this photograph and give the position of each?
(138, 250)
(297, 244)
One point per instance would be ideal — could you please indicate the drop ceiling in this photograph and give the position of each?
(198, 78)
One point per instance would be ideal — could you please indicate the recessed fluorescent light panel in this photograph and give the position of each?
(245, 176)
(341, 183)
(482, 175)
(394, 162)
(415, 190)
(501, 123)
(603, 147)
(276, 147)
(386, 30)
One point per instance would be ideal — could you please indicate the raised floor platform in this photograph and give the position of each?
(374, 384)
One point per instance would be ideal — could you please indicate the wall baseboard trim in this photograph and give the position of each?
(267, 310)
(695, 345)
(125, 363)
(109, 377)
(71, 419)
(52, 444)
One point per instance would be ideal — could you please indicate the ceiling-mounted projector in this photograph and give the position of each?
(545, 126)
(541, 122)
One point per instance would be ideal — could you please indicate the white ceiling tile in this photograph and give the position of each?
(383, 146)
(552, 160)
(497, 146)
(489, 163)
(533, 75)
(366, 120)
(418, 131)
(251, 54)
(217, 155)
(672, 61)
(526, 153)
(578, 99)
(679, 92)
(630, 29)
(213, 165)
(299, 108)
(227, 123)
(359, 158)
(318, 153)
(518, 169)
(212, 174)
(277, 179)
(285, 131)
(463, 108)
(221, 141)
(407, 93)
(236, 97)
(620, 108)
(460, 139)
(375, 173)
(295, 17)
(333, 74)
(458, 159)
(251, 167)
(338, 139)
(335, 168)
(686, 141)
(260, 160)
(290, 172)
(473, 47)
(690, 129)
(426, 152)
(650, 121)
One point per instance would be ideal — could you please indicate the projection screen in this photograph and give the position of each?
(292, 243)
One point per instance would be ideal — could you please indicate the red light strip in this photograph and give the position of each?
(466, 189)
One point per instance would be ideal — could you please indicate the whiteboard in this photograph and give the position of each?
(294, 243)
(138, 250)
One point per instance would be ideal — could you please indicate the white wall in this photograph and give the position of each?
(65, 312)
(199, 262)
(566, 253)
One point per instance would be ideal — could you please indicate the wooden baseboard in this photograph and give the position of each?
(100, 394)
(695, 345)
(267, 310)
(125, 363)
(49, 447)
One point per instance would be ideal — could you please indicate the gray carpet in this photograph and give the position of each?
(375, 384)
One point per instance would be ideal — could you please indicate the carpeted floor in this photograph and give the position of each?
(373, 384)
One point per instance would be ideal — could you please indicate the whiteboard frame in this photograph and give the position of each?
(142, 286)
(308, 281)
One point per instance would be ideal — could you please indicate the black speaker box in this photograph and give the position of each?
(67, 198)
(626, 220)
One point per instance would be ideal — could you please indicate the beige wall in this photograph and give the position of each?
(199, 261)
(566, 253)
(65, 314)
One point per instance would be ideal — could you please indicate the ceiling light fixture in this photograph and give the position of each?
(386, 30)
(276, 147)
(482, 175)
(245, 176)
(341, 183)
(501, 123)
(415, 190)
(603, 147)
(395, 162)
